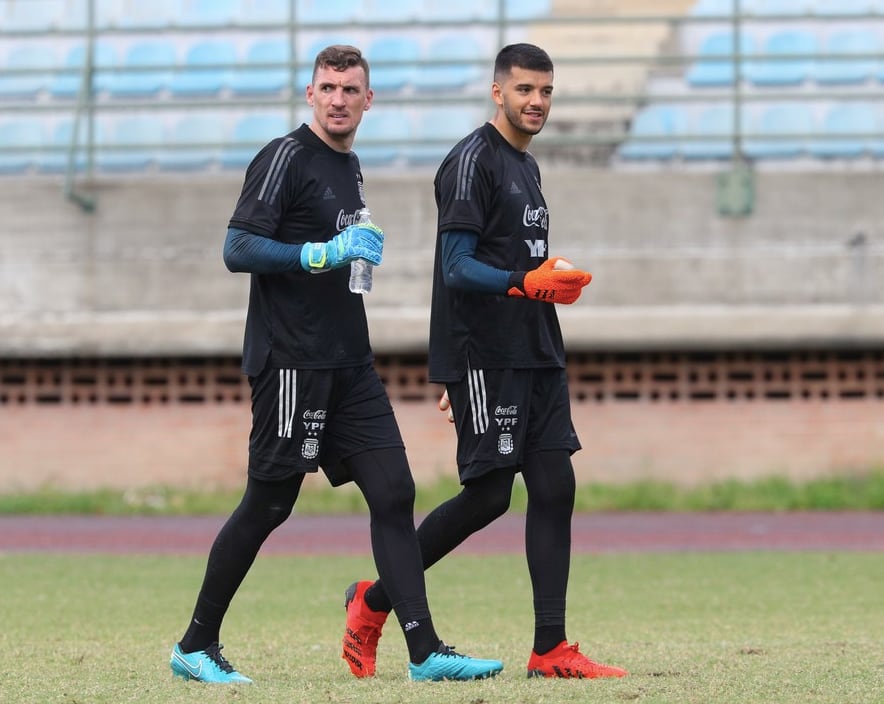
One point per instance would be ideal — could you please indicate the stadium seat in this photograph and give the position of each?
(710, 69)
(824, 8)
(32, 15)
(661, 126)
(54, 159)
(438, 130)
(392, 10)
(39, 58)
(250, 133)
(392, 60)
(269, 12)
(779, 132)
(26, 137)
(714, 127)
(526, 9)
(210, 13)
(218, 55)
(458, 10)
(159, 54)
(849, 130)
(328, 11)
(785, 8)
(156, 14)
(130, 143)
(453, 63)
(196, 142)
(381, 136)
(847, 70)
(712, 8)
(67, 84)
(249, 78)
(783, 71)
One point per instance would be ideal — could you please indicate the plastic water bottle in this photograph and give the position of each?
(360, 270)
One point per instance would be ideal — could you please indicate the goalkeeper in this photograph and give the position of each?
(496, 344)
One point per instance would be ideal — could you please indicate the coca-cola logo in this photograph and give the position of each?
(506, 411)
(315, 415)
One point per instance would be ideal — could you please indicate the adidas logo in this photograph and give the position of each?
(411, 625)
(329, 194)
(514, 189)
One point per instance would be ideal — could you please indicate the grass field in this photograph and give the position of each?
(702, 628)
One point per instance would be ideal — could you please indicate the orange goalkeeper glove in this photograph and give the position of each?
(550, 282)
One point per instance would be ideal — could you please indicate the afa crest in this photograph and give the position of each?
(505, 443)
(310, 449)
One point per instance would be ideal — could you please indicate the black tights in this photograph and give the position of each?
(385, 480)
(549, 480)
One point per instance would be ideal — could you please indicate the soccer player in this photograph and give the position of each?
(316, 397)
(496, 344)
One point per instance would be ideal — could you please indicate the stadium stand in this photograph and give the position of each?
(451, 63)
(210, 13)
(68, 82)
(195, 143)
(849, 71)
(382, 134)
(781, 131)
(130, 142)
(715, 65)
(847, 130)
(265, 68)
(24, 139)
(393, 60)
(251, 132)
(780, 70)
(661, 126)
(713, 127)
(146, 69)
(27, 71)
(206, 69)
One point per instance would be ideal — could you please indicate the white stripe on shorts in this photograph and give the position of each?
(287, 396)
(478, 400)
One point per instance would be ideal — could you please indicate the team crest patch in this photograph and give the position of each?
(505, 443)
(310, 449)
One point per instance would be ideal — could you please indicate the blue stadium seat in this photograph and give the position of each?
(780, 132)
(40, 58)
(250, 133)
(210, 13)
(156, 14)
(715, 125)
(328, 11)
(392, 10)
(381, 134)
(438, 130)
(158, 54)
(32, 15)
(848, 128)
(194, 80)
(710, 69)
(712, 8)
(786, 8)
(54, 159)
(842, 7)
(130, 143)
(67, 84)
(526, 9)
(27, 137)
(443, 73)
(195, 144)
(250, 79)
(269, 12)
(661, 125)
(849, 71)
(783, 71)
(459, 10)
(392, 60)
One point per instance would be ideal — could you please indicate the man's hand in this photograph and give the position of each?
(445, 405)
(355, 242)
(550, 282)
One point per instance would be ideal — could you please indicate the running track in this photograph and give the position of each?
(348, 535)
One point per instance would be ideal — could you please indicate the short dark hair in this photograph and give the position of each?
(527, 56)
(340, 57)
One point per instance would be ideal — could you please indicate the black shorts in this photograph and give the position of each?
(304, 419)
(502, 415)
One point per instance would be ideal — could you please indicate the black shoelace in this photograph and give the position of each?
(214, 652)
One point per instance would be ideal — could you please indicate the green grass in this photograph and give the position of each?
(861, 491)
(692, 629)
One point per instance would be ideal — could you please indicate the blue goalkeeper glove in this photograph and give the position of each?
(355, 242)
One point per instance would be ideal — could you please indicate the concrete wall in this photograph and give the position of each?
(143, 273)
